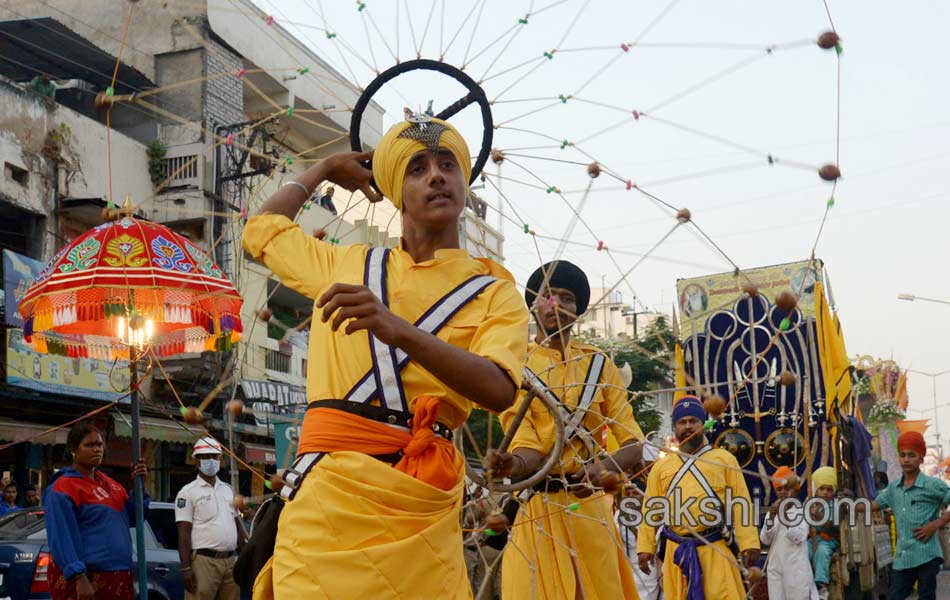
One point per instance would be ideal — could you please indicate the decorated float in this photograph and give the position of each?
(768, 343)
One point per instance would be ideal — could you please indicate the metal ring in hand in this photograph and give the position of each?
(550, 460)
(475, 94)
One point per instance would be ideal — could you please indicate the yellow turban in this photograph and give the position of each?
(393, 153)
(825, 476)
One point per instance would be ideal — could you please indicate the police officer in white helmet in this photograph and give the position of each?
(209, 532)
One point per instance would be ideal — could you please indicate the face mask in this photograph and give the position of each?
(209, 466)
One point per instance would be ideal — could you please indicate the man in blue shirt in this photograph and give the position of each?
(8, 504)
(917, 501)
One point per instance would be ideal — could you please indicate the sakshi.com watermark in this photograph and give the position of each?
(700, 513)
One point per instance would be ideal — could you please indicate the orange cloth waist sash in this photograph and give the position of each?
(426, 456)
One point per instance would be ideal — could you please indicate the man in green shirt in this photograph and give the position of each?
(917, 502)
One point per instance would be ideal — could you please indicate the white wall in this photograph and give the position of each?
(258, 44)
(610, 325)
(129, 161)
(156, 27)
(25, 120)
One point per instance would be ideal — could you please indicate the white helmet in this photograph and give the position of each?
(206, 445)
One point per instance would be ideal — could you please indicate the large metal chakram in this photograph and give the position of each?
(475, 94)
(534, 394)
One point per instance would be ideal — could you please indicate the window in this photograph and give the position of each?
(275, 360)
(21, 176)
(22, 524)
(161, 518)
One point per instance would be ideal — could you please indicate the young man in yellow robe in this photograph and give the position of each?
(698, 564)
(402, 342)
(554, 552)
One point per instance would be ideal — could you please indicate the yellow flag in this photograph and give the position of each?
(679, 361)
(835, 364)
(900, 396)
(680, 373)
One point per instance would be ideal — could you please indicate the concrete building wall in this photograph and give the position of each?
(156, 27)
(480, 239)
(129, 161)
(606, 320)
(185, 101)
(29, 122)
(273, 48)
(223, 96)
(24, 123)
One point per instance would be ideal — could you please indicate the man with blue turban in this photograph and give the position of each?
(698, 563)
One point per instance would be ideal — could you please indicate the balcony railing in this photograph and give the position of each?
(275, 360)
(285, 362)
(182, 166)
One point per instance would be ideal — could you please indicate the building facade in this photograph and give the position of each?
(240, 109)
(610, 317)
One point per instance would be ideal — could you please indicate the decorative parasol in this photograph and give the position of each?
(125, 288)
(130, 275)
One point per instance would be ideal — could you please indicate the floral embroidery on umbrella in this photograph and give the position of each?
(48, 269)
(169, 256)
(126, 251)
(204, 263)
(82, 256)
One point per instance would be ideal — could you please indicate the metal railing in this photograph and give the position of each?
(183, 165)
(275, 360)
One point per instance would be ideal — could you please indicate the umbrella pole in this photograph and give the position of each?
(141, 565)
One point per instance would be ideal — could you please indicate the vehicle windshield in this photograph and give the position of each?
(22, 524)
(31, 525)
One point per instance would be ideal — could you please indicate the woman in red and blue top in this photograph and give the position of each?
(88, 516)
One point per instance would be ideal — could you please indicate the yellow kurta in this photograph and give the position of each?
(721, 576)
(493, 325)
(538, 564)
(357, 528)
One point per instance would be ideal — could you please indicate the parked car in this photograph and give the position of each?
(25, 559)
(161, 517)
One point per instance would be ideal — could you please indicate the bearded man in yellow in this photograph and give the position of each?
(554, 552)
(690, 491)
(403, 341)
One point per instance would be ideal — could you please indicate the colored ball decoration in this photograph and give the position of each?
(192, 416)
(714, 405)
(786, 301)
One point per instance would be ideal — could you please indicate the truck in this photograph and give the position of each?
(766, 341)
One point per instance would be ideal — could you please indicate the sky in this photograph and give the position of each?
(699, 66)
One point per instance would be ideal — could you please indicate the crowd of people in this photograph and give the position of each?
(403, 342)
(88, 516)
(8, 504)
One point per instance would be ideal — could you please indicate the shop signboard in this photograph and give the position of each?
(286, 436)
(84, 377)
(701, 297)
(271, 397)
(18, 272)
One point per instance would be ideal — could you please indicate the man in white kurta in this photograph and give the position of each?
(788, 568)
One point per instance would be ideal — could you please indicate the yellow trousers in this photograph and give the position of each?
(557, 554)
(721, 577)
(358, 528)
